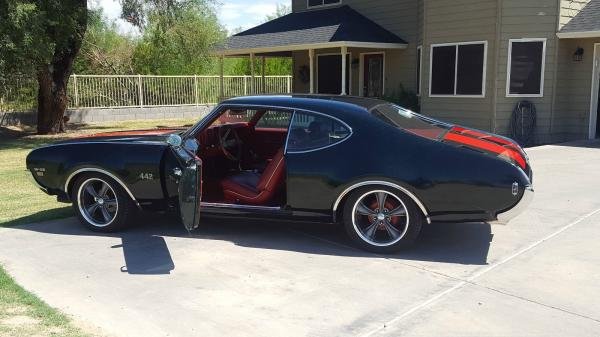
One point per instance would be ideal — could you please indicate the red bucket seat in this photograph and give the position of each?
(253, 188)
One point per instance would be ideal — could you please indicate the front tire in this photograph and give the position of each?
(101, 204)
(381, 219)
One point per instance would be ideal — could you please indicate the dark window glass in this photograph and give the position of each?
(410, 121)
(469, 77)
(526, 68)
(274, 120)
(322, 2)
(442, 70)
(418, 71)
(309, 132)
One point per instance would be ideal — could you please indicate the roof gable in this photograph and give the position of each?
(329, 25)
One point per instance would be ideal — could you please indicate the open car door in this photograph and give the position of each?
(190, 185)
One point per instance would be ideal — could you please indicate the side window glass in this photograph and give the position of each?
(274, 120)
(309, 132)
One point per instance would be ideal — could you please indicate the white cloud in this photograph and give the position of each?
(238, 13)
(232, 13)
(112, 10)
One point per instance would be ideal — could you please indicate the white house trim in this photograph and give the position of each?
(577, 35)
(508, 64)
(594, 96)
(323, 45)
(361, 72)
(420, 73)
(483, 77)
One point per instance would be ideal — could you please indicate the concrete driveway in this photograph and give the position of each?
(538, 276)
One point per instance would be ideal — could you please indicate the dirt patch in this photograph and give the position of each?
(19, 321)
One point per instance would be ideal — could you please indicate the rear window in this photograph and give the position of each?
(410, 121)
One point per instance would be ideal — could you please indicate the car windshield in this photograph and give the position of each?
(410, 121)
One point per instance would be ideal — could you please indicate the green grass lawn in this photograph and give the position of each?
(21, 202)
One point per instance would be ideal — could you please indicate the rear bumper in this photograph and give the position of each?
(505, 217)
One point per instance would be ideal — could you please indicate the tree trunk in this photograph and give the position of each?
(53, 78)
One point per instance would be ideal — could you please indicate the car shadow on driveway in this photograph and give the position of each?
(145, 250)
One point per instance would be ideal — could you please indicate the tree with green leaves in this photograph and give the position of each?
(42, 38)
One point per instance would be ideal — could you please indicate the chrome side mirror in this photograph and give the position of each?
(174, 140)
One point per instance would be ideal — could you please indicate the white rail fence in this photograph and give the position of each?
(120, 91)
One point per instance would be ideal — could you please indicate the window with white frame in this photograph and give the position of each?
(419, 63)
(458, 69)
(317, 3)
(525, 72)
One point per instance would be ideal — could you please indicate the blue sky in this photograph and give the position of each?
(231, 13)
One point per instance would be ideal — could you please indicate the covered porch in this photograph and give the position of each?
(334, 51)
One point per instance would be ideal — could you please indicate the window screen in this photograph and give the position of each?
(312, 3)
(442, 70)
(525, 76)
(309, 132)
(469, 74)
(458, 70)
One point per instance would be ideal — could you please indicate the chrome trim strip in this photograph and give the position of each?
(236, 206)
(384, 183)
(327, 146)
(287, 137)
(219, 108)
(93, 169)
(504, 217)
(75, 142)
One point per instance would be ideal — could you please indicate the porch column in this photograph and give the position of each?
(344, 51)
(311, 56)
(221, 86)
(252, 73)
(262, 83)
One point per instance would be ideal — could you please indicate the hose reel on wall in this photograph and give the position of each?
(522, 123)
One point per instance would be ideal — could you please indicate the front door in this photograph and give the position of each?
(329, 72)
(190, 187)
(373, 75)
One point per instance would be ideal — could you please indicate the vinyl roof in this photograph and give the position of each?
(330, 25)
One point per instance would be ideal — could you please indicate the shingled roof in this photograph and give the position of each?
(586, 21)
(334, 26)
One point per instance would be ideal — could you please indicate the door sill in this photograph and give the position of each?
(237, 206)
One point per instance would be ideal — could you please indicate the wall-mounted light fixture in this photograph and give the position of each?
(578, 54)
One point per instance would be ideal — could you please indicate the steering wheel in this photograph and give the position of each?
(230, 143)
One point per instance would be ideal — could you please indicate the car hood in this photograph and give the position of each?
(133, 136)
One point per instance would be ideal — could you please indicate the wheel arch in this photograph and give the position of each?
(73, 177)
(341, 199)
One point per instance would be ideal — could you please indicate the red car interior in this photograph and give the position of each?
(258, 178)
(255, 188)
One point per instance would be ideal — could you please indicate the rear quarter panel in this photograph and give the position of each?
(453, 183)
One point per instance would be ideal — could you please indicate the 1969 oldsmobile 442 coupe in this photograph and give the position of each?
(379, 169)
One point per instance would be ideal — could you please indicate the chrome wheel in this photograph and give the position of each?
(380, 218)
(97, 202)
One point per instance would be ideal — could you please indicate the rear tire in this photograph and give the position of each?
(381, 219)
(101, 204)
